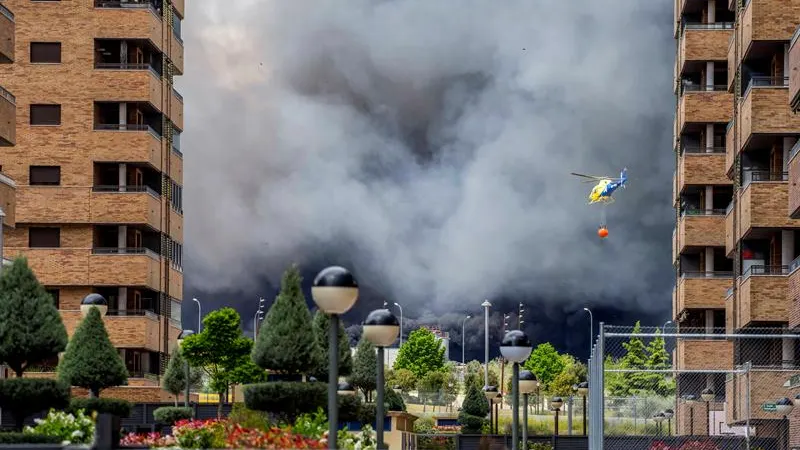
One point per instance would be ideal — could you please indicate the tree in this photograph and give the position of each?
(365, 368)
(219, 349)
(405, 379)
(573, 373)
(321, 330)
(284, 343)
(658, 359)
(174, 379)
(32, 330)
(545, 363)
(91, 361)
(473, 412)
(635, 358)
(475, 376)
(421, 353)
(431, 387)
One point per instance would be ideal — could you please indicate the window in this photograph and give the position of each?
(176, 196)
(40, 237)
(46, 52)
(55, 294)
(45, 114)
(45, 175)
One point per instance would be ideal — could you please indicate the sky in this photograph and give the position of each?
(427, 146)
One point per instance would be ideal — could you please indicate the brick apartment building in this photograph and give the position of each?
(91, 136)
(738, 205)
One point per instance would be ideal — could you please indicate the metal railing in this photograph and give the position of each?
(126, 189)
(126, 127)
(6, 12)
(795, 36)
(131, 312)
(754, 175)
(177, 94)
(703, 212)
(127, 66)
(41, 368)
(760, 269)
(729, 208)
(698, 149)
(761, 81)
(8, 96)
(125, 251)
(709, 26)
(707, 274)
(794, 264)
(129, 4)
(177, 151)
(795, 149)
(691, 87)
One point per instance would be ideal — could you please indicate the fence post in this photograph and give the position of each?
(601, 385)
(747, 367)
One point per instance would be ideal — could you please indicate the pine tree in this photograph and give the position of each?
(321, 330)
(635, 358)
(658, 359)
(32, 330)
(91, 361)
(473, 412)
(284, 344)
(365, 368)
(174, 379)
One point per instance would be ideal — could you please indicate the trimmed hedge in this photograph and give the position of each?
(289, 400)
(113, 406)
(27, 438)
(168, 415)
(26, 396)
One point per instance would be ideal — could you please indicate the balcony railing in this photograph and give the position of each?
(127, 66)
(691, 87)
(124, 251)
(125, 189)
(177, 94)
(729, 209)
(795, 36)
(8, 96)
(6, 12)
(795, 149)
(706, 274)
(764, 82)
(126, 127)
(794, 264)
(701, 149)
(709, 26)
(703, 212)
(41, 368)
(766, 270)
(132, 313)
(751, 176)
(142, 374)
(132, 4)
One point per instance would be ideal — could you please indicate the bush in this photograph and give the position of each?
(114, 406)
(249, 418)
(69, 428)
(168, 415)
(290, 400)
(473, 410)
(26, 396)
(27, 438)
(424, 425)
(349, 407)
(394, 401)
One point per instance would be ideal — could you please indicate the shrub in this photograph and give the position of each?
(424, 425)
(394, 401)
(26, 396)
(114, 406)
(290, 400)
(200, 433)
(27, 438)
(349, 408)
(248, 418)
(473, 410)
(72, 429)
(311, 425)
(168, 415)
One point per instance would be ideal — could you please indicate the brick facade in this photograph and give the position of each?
(763, 298)
(704, 107)
(704, 45)
(701, 169)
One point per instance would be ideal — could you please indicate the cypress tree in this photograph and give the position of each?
(365, 368)
(321, 329)
(174, 379)
(91, 361)
(474, 409)
(286, 343)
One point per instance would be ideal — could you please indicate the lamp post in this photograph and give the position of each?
(516, 347)
(591, 328)
(199, 315)
(94, 301)
(463, 323)
(669, 414)
(401, 322)
(658, 418)
(556, 403)
(583, 390)
(490, 392)
(707, 395)
(497, 400)
(690, 400)
(784, 407)
(381, 329)
(527, 384)
(335, 291)
(184, 334)
(258, 315)
(486, 305)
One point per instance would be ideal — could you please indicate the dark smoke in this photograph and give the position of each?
(426, 145)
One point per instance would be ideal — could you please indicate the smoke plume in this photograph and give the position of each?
(427, 146)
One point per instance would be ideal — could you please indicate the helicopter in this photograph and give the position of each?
(606, 186)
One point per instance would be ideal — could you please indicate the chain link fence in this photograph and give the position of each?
(693, 389)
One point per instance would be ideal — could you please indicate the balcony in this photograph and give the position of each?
(765, 386)
(126, 144)
(128, 20)
(701, 228)
(8, 200)
(698, 354)
(701, 166)
(763, 295)
(764, 111)
(180, 7)
(764, 204)
(704, 42)
(125, 204)
(126, 329)
(8, 118)
(702, 290)
(765, 22)
(176, 53)
(176, 109)
(128, 83)
(701, 104)
(794, 293)
(7, 35)
(794, 72)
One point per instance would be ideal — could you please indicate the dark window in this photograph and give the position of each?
(44, 237)
(45, 175)
(176, 196)
(45, 114)
(55, 294)
(46, 52)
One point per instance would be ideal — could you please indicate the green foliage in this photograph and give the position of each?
(290, 400)
(421, 353)
(365, 368)
(71, 429)
(425, 425)
(168, 415)
(403, 378)
(658, 359)
(321, 329)
(394, 401)
(247, 372)
(209, 436)
(546, 363)
(26, 396)
(539, 446)
(219, 349)
(7, 438)
(431, 386)
(91, 361)
(114, 406)
(174, 379)
(284, 344)
(350, 407)
(573, 373)
(32, 330)
(311, 425)
(639, 356)
(248, 418)
(474, 376)
(474, 410)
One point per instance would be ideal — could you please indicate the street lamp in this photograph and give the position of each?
(184, 334)
(257, 316)
(486, 305)
(527, 384)
(497, 400)
(583, 390)
(669, 414)
(381, 329)
(94, 301)
(199, 315)
(556, 403)
(707, 396)
(401, 322)
(784, 406)
(463, 323)
(335, 291)
(658, 418)
(491, 392)
(516, 347)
